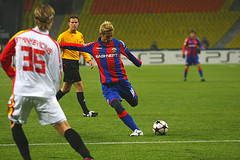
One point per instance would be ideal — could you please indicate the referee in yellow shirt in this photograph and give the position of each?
(71, 64)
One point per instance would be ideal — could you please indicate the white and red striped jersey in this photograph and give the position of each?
(38, 63)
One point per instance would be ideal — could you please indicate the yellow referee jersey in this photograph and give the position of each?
(69, 37)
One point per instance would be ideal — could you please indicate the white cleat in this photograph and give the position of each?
(137, 133)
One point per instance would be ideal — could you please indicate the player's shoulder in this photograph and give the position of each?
(186, 40)
(79, 33)
(65, 33)
(19, 33)
(197, 38)
(120, 42)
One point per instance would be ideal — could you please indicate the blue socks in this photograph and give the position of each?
(128, 120)
(200, 72)
(185, 73)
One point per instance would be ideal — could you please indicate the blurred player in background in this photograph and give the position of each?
(193, 45)
(71, 65)
(107, 53)
(36, 79)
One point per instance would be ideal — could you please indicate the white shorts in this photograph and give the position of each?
(48, 109)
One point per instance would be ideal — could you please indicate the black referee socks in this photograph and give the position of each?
(76, 142)
(21, 141)
(82, 102)
(60, 94)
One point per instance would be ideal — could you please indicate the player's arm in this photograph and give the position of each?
(125, 51)
(87, 58)
(199, 46)
(184, 47)
(6, 58)
(55, 66)
(78, 47)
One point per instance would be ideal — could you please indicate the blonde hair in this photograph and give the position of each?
(43, 16)
(106, 27)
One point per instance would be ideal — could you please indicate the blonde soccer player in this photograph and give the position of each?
(107, 52)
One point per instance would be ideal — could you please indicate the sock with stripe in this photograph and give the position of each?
(128, 120)
(200, 72)
(123, 115)
(185, 73)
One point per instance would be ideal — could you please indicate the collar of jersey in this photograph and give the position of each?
(71, 32)
(110, 44)
(38, 30)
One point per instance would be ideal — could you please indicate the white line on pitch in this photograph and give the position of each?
(150, 142)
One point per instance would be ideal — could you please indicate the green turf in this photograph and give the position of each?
(194, 111)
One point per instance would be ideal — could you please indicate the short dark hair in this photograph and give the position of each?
(192, 31)
(73, 16)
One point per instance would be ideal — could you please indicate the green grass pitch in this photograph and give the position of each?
(194, 111)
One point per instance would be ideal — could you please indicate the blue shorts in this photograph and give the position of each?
(118, 90)
(192, 61)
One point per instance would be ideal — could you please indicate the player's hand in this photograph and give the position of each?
(199, 51)
(183, 56)
(91, 64)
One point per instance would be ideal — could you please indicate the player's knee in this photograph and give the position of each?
(79, 86)
(65, 90)
(14, 125)
(117, 105)
(134, 102)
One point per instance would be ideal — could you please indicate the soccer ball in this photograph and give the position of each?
(160, 127)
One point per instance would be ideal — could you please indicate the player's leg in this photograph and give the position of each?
(69, 69)
(50, 112)
(127, 92)
(123, 115)
(186, 72)
(64, 90)
(200, 72)
(112, 96)
(81, 100)
(73, 138)
(186, 68)
(19, 109)
(20, 140)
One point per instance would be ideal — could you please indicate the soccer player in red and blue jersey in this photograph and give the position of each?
(107, 53)
(193, 45)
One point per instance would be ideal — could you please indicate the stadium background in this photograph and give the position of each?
(203, 118)
(138, 22)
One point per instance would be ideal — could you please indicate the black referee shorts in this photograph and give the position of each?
(71, 71)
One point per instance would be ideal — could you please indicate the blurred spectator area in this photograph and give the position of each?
(139, 23)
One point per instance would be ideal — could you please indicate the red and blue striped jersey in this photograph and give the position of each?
(108, 58)
(192, 45)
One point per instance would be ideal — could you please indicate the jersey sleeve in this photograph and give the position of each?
(6, 58)
(85, 55)
(78, 47)
(184, 46)
(199, 44)
(60, 39)
(55, 66)
(125, 51)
